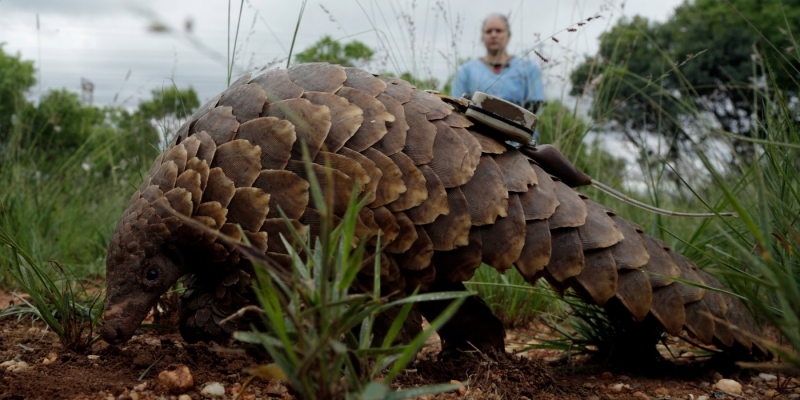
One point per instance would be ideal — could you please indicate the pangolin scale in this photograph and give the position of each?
(444, 193)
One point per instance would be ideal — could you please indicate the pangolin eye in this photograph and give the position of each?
(152, 274)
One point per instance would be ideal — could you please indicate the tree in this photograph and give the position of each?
(16, 77)
(706, 57)
(332, 51)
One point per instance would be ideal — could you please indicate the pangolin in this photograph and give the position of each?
(446, 195)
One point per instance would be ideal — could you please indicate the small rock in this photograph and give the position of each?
(589, 385)
(767, 377)
(702, 398)
(661, 392)
(14, 366)
(140, 387)
(606, 375)
(624, 378)
(213, 389)
(275, 388)
(640, 395)
(134, 396)
(717, 376)
(249, 397)
(617, 387)
(461, 389)
(704, 385)
(770, 393)
(177, 381)
(93, 356)
(729, 386)
(184, 397)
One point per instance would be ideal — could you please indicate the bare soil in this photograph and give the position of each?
(130, 371)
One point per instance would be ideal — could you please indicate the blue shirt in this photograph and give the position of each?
(520, 83)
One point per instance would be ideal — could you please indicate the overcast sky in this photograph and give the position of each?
(113, 43)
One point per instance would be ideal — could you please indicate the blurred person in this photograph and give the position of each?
(511, 78)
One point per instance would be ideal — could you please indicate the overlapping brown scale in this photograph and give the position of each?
(635, 292)
(332, 183)
(240, 160)
(207, 147)
(205, 108)
(399, 89)
(219, 123)
(416, 191)
(488, 144)
(364, 81)
(599, 275)
(311, 123)
(257, 240)
(699, 321)
(346, 165)
(473, 148)
(154, 167)
(571, 212)
(566, 257)
(190, 181)
(418, 279)
(486, 194)
(180, 200)
(373, 128)
(219, 187)
(687, 268)
(460, 264)
(165, 176)
(388, 224)
(246, 100)
(318, 77)
(449, 156)
(370, 168)
(419, 256)
(275, 228)
(436, 203)
(346, 117)
(391, 184)
(599, 231)
(274, 136)
(667, 307)
(452, 230)
(249, 207)
(438, 108)
(660, 263)
(421, 133)
(516, 169)
(631, 252)
(536, 251)
(406, 237)
(395, 138)
(201, 167)
(368, 218)
(540, 201)
(191, 145)
(503, 241)
(213, 211)
(457, 120)
(717, 304)
(739, 316)
(152, 193)
(178, 155)
(278, 86)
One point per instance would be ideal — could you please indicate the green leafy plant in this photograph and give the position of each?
(64, 304)
(320, 319)
(511, 299)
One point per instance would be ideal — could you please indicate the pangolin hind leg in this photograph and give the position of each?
(472, 327)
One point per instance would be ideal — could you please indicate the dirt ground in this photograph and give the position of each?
(33, 365)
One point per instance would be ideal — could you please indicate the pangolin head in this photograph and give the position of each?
(142, 264)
